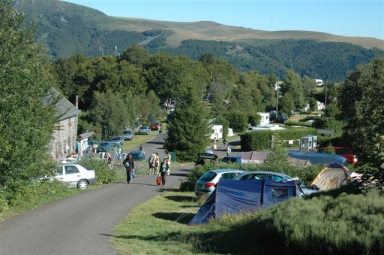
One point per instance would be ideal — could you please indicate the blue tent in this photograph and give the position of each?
(244, 196)
(318, 158)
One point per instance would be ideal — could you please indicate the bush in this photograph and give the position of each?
(347, 224)
(103, 173)
(350, 224)
(16, 192)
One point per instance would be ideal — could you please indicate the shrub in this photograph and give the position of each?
(103, 173)
(346, 224)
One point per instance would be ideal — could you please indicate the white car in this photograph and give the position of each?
(75, 175)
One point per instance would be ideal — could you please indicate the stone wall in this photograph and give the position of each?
(63, 142)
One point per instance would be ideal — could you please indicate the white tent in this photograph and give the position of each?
(230, 132)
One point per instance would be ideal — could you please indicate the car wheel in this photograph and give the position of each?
(82, 184)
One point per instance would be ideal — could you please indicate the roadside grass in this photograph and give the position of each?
(159, 226)
(345, 224)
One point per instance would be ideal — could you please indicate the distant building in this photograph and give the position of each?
(319, 82)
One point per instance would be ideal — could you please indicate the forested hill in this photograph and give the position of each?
(68, 29)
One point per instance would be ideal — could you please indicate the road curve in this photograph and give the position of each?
(82, 224)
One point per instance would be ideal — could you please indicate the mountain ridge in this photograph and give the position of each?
(68, 29)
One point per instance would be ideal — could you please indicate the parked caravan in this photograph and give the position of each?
(264, 121)
(217, 132)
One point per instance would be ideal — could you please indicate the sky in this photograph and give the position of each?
(362, 18)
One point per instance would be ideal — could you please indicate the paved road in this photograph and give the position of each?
(82, 224)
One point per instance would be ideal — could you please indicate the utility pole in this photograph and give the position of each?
(277, 96)
(325, 103)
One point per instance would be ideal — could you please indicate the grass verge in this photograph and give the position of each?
(159, 226)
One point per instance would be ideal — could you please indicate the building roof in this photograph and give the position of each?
(64, 108)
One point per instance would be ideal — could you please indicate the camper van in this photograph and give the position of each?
(217, 132)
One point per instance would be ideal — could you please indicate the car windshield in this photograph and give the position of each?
(208, 176)
(260, 176)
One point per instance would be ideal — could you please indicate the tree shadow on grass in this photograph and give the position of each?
(182, 218)
(186, 199)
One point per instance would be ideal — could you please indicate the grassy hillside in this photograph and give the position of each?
(68, 29)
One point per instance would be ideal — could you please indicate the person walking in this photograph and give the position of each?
(163, 171)
(151, 163)
(228, 149)
(157, 163)
(167, 157)
(129, 165)
(119, 154)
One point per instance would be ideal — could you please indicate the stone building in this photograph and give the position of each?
(64, 137)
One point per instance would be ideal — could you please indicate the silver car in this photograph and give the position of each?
(144, 130)
(128, 134)
(207, 182)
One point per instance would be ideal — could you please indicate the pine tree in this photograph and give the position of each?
(188, 128)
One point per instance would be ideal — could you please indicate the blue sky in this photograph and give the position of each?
(340, 17)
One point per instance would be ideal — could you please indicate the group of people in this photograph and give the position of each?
(160, 168)
(156, 167)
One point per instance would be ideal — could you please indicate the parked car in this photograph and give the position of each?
(259, 175)
(106, 146)
(118, 139)
(346, 152)
(75, 175)
(232, 159)
(128, 134)
(206, 184)
(156, 125)
(281, 118)
(206, 157)
(137, 155)
(144, 130)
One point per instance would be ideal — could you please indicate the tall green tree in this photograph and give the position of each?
(171, 76)
(361, 102)
(108, 114)
(294, 85)
(27, 113)
(287, 103)
(188, 130)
